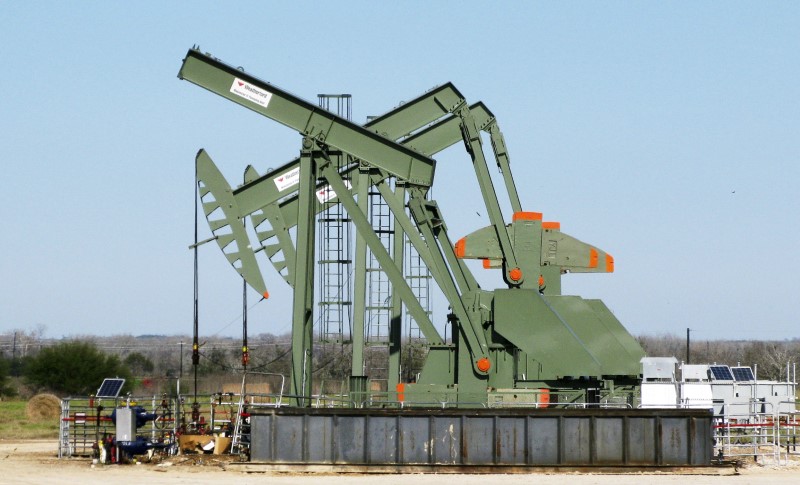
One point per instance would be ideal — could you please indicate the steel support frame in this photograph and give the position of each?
(428, 223)
(395, 274)
(474, 146)
(396, 318)
(360, 280)
(303, 303)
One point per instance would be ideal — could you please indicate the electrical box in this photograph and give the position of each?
(126, 424)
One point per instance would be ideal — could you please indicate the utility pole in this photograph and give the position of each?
(14, 365)
(688, 358)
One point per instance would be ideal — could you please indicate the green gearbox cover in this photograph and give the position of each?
(571, 337)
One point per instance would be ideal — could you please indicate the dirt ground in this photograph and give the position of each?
(36, 462)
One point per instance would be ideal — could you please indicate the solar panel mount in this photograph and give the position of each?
(721, 373)
(743, 374)
(110, 387)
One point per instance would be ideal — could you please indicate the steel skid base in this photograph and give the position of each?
(500, 440)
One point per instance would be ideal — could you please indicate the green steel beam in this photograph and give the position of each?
(502, 158)
(303, 304)
(426, 215)
(474, 146)
(444, 278)
(431, 225)
(308, 119)
(407, 226)
(396, 317)
(446, 132)
(431, 254)
(360, 279)
(420, 111)
(431, 140)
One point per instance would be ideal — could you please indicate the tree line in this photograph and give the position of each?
(152, 364)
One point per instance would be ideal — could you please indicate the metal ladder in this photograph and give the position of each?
(63, 431)
(240, 442)
(240, 445)
(335, 265)
(379, 288)
(334, 246)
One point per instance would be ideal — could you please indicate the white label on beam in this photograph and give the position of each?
(249, 92)
(326, 193)
(288, 179)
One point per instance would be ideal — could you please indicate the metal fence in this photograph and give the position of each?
(764, 434)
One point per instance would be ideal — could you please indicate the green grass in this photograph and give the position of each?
(14, 424)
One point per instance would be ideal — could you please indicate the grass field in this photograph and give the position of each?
(14, 424)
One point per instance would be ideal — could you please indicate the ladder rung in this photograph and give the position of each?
(334, 219)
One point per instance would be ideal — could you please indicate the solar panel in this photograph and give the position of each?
(743, 374)
(721, 373)
(110, 387)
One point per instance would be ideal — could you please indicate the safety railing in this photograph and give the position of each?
(764, 433)
(533, 399)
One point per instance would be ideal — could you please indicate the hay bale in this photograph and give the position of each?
(43, 407)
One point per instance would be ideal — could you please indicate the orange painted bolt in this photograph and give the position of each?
(484, 364)
(515, 274)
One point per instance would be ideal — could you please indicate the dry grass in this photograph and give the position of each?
(15, 424)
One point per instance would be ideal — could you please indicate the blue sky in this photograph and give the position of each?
(664, 133)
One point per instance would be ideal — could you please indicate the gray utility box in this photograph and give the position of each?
(126, 424)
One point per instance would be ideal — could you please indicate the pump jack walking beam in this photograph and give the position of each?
(309, 120)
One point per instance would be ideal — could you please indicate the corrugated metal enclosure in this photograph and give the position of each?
(483, 437)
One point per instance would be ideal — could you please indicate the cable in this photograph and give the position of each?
(195, 343)
(245, 351)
